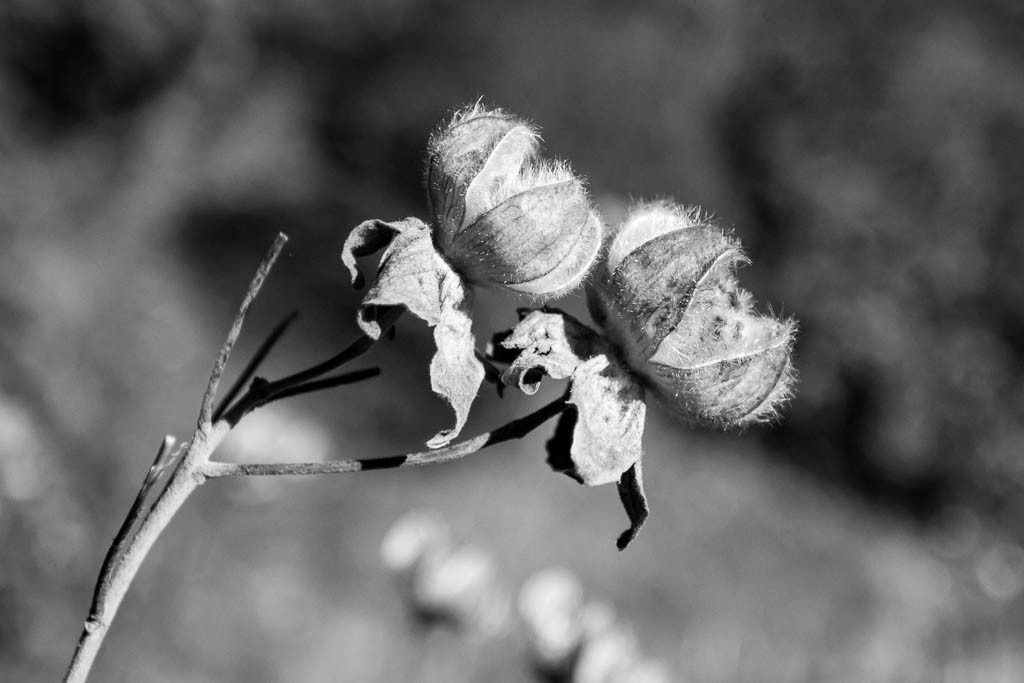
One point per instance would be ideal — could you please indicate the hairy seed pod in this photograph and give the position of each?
(503, 217)
(550, 606)
(667, 297)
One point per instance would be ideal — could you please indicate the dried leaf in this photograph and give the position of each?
(610, 423)
(411, 274)
(367, 238)
(559, 446)
(631, 493)
(455, 372)
(607, 404)
(550, 343)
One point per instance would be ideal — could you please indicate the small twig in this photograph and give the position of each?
(262, 392)
(206, 411)
(513, 430)
(253, 365)
(350, 353)
(321, 384)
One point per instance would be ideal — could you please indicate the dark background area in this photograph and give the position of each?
(869, 155)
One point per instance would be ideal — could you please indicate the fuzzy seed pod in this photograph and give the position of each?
(550, 606)
(441, 581)
(667, 297)
(413, 537)
(461, 587)
(503, 217)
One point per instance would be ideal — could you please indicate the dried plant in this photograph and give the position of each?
(672, 322)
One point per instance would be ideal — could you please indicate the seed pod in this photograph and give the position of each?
(441, 581)
(461, 587)
(410, 539)
(501, 216)
(551, 608)
(667, 297)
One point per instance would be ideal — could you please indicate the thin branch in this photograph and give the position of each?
(206, 411)
(350, 353)
(116, 577)
(262, 392)
(129, 549)
(326, 383)
(135, 538)
(513, 430)
(253, 365)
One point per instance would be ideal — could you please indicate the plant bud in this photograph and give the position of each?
(503, 217)
(667, 297)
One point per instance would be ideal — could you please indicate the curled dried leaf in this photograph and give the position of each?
(412, 275)
(610, 421)
(631, 493)
(607, 410)
(548, 343)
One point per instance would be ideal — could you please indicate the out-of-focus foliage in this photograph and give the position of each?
(870, 155)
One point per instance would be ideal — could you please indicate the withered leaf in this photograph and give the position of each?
(412, 275)
(610, 423)
(631, 493)
(550, 343)
(607, 411)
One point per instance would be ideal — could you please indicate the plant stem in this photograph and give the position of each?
(117, 576)
(262, 392)
(134, 512)
(122, 562)
(196, 467)
(357, 348)
(253, 365)
(513, 430)
(206, 410)
(325, 383)
(129, 550)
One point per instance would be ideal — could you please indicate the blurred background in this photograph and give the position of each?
(870, 156)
